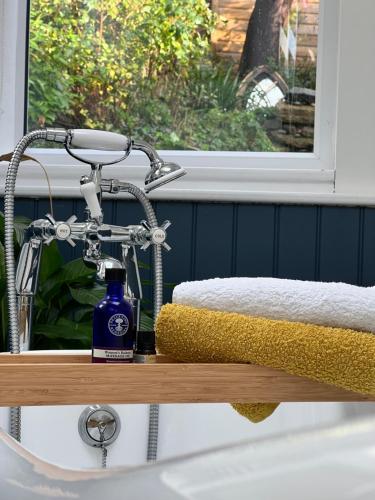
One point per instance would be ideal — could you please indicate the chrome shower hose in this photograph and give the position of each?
(153, 418)
(10, 184)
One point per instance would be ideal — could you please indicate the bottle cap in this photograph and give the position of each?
(146, 342)
(115, 274)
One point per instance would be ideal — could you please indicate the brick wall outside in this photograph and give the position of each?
(229, 37)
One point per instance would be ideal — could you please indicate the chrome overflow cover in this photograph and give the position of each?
(99, 425)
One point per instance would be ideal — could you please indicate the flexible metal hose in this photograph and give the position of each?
(153, 418)
(10, 184)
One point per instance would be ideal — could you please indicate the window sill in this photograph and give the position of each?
(239, 185)
(211, 183)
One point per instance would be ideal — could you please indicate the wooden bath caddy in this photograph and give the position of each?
(69, 379)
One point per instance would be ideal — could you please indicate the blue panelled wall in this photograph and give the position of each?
(230, 239)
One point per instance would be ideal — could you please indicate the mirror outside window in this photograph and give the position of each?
(225, 75)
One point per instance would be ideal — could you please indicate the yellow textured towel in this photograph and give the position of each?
(345, 358)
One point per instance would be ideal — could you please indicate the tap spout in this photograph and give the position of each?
(26, 287)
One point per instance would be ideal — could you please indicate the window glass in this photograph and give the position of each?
(225, 75)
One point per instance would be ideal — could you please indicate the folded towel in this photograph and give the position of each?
(337, 356)
(328, 304)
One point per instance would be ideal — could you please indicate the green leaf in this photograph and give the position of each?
(143, 265)
(65, 299)
(169, 285)
(90, 296)
(51, 261)
(53, 315)
(39, 302)
(2, 269)
(20, 225)
(77, 314)
(146, 323)
(147, 282)
(74, 271)
(3, 324)
(65, 329)
(2, 228)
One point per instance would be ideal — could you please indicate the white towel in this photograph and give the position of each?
(327, 304)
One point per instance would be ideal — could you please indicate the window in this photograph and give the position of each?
(183, 75)
(322, 162)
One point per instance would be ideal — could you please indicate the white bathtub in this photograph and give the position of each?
(52, 432)
(334, 463)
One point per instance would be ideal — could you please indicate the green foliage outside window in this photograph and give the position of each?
(140, 67)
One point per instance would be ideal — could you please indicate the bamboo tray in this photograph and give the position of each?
(69, 379)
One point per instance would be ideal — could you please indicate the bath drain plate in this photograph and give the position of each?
(99, 425)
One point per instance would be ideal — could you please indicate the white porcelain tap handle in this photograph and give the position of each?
(99, 139)
(88, 191)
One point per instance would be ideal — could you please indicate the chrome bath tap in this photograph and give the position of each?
(94, 231)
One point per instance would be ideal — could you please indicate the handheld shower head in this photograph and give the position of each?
(161, 174)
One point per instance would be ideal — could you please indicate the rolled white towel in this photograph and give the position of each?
(327, 304)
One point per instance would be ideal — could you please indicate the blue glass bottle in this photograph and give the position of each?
(113, 327)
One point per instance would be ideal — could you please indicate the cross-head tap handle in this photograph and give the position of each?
(157, 235)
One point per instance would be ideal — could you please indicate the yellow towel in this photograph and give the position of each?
(342, 357)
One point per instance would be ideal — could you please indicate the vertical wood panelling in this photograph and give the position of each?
(339, 250)
(25, 207)
(193, 245)
(234, 241)
(255, 240)
(177, 262)
(361, 237)
(318, 237)
(213, 240)
(276, 235)
(297, 235)
(368, 261)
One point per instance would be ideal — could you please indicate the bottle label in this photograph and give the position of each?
(118, 324)
(113, 355)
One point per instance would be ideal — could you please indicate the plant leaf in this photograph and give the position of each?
(78, 313)
(143, 265)
(65, 329)
(2, 269)
(74, 271)
(2, 229)
(146, 323)
(20, 225)
(90, 296)
(3, 324)
(51, 261)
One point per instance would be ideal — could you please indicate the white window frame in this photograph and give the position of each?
(336, 173)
